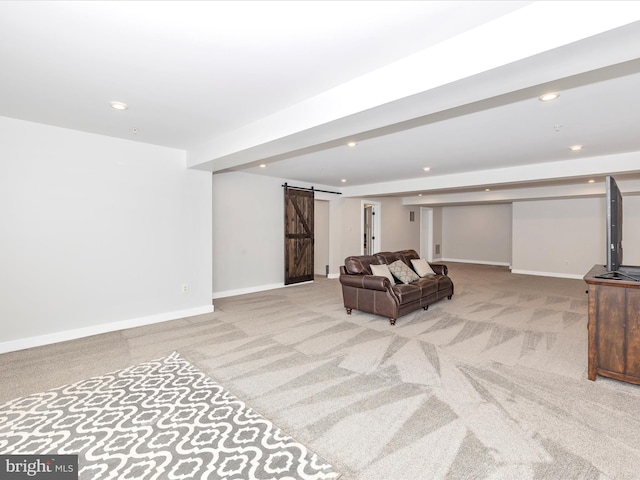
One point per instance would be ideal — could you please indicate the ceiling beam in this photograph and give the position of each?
(432, 81)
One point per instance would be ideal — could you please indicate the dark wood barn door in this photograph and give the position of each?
(298, 235)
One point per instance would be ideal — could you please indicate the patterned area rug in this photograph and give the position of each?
(157, 420)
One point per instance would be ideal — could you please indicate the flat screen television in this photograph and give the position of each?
(614, 224)
(615, 269)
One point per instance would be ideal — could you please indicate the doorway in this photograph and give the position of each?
(370, 227)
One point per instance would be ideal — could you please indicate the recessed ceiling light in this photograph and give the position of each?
(419, 194)
(575, 148)
(343, 180)
(592, 180)
(351, 144)
(263, 165)
(487, 189)
(547, 97)
(426, 169)
(119, 105)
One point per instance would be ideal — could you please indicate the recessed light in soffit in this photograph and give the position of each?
(119, 106)
(548, 97)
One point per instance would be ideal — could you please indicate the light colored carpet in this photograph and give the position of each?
(489, 385)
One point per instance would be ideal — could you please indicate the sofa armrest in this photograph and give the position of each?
(370, 282)
(439, 268)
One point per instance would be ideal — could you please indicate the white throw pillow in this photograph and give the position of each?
(422, 267)
(402, 272)
(383, 271)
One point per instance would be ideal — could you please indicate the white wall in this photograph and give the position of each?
(321, 236)
(437, 232)
(567, 237)
(346, 231)
(398, 233)
(631, 229)
(248, 232)
(98, 234)
(477, 234)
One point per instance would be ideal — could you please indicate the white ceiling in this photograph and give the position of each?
(448, 85)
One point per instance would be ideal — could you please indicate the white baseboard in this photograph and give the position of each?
(517, 271)
(30, 342)
(477, 262)
(331, 275)
(256, 289)
(548, 274)
(243, 291)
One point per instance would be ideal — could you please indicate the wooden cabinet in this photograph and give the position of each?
(614, 327)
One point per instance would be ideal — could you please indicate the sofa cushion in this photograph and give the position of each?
(428, 285)
(402, 272)
(444, 282)
(407, 293)
(422, 267)
(383, 271)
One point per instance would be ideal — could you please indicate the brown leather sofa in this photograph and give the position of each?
(361, 290)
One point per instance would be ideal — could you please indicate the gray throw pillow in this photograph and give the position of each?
(402, 272)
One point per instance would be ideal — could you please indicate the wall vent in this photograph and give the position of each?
(437, 249)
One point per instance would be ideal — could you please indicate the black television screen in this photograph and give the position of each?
(614, 224)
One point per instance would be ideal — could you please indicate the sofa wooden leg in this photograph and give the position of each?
(392, 321)
(449, 297)
(425, 307)
(349, 311)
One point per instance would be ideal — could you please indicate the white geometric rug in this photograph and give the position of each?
(163, 419)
